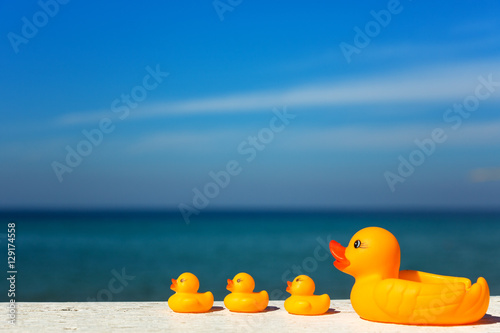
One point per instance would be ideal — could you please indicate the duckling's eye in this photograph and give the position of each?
(357, 244)
(297, 279)
(182, 280)
(239, 280)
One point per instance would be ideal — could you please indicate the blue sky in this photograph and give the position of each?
(355, 118)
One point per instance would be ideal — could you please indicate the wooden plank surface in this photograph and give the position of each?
(157, 317)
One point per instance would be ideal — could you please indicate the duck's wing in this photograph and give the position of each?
(208, 298)
(264, 296)
(302, 305)
(190, 302)
(416, 301)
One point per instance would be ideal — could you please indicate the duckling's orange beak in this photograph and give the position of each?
(338, 252)
(289, 284)
(174, 285)
(230, 285)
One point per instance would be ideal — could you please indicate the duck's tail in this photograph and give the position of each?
(476, 301)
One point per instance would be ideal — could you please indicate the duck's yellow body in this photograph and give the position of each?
(187, 299)
(383, 293)
(242, 298)
(303, 301)
(307, 305)
(247, 302)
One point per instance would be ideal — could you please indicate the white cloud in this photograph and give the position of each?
(417, 51)
(332, 138)
(207, 140)
(82, 117)
(440, 83)
(390, 137)
(476, 134)
(485, 40)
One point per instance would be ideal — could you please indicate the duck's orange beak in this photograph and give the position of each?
(230, 285)
(338, 252)
(289, 284)
(174, 285)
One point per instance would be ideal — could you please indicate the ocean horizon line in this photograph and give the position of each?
(277, 211)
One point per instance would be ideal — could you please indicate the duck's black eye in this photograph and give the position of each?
(357, 243)
(297, 279)
(182, 280)
(239, 280)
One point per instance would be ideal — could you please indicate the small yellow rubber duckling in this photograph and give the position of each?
(187, 298)
(303, 301)
(242, 298)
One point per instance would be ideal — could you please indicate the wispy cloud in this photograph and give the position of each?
(185, 141)
(480, 39)
(389, 137)
(427, 84)
(328, 138)
(417, 51)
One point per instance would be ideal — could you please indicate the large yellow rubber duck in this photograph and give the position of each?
(187, 298)
(242, 298)
(303, 301)
(383, 293)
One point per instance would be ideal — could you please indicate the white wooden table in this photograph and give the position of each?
(157, 316)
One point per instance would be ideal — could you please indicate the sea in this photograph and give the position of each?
(133, 255)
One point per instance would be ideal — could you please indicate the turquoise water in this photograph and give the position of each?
(132, 256)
